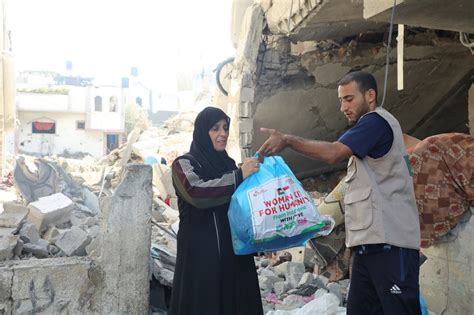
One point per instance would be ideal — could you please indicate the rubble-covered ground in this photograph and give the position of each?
(51, 207)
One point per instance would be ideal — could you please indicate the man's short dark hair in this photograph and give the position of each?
(365, 81)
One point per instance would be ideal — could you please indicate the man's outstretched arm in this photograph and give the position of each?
(329, 152)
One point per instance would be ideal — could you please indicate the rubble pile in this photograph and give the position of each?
(53, 217)
(289, 286)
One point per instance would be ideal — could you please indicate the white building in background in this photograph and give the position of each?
(84, 119)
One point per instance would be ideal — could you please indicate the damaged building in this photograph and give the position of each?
(89, 237)
(290, 56)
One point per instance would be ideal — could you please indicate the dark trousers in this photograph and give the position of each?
(384, 281)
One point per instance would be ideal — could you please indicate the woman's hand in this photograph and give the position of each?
(249, 167)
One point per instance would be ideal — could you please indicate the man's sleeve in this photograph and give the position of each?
(372, 135)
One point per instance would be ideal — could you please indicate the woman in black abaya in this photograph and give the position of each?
(209, 278)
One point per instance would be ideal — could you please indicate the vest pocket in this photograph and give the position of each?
(359, 213)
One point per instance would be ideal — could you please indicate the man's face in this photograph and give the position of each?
(353, 102)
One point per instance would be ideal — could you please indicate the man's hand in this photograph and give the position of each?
(274, 144)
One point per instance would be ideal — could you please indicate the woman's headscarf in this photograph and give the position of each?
(214, 163)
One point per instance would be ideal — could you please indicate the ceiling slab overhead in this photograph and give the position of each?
(453, 15)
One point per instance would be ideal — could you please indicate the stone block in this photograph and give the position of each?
(53, 286)
(18, 248)
(307, 278)
(266, 283)
(303, 255)
(321, 281)
(52, 234)
(335, 288)
(29, 233)
(267, 273)
(38, 250)
(73, 242)
(91, 201)
(7, 246)
(13, 214)
(93, 231)
(90, 221)
(55, 209)
(84, 209)
(281, 287)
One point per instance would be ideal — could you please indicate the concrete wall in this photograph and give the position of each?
(46, 286)
(297, 94)
(447, 277)
(67, 137)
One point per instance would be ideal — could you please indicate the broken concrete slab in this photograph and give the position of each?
(7, 246)
(281, 287)
(302, 254)
(29, 233)
(84, 209)
(38, 250)
(91, 201)
(54, 209)
(126, 223)
(13, 214)
(267, 283)
(48, 286)
(165, 213)
(35, 184)
(73, 242)
(52, 234)
(7, 231)
(93, 231)
(307, 278)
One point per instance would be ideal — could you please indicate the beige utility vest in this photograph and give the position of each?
(380, 201)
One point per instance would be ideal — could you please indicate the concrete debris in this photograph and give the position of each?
(91, 201)
(328, 304)
(29, 233)
(54, 209)
(39, 250)
(7, 246)
(73, 242)
(84, 209)
(53, 250)
(267, 283)
(13, 215)
(51, 234)
(288, 288)
(18, 249)
(93, 231)
(7, 231)
(164, 213)
(33, 184)
(307, 278)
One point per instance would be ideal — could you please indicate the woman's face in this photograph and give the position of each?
(219, 134)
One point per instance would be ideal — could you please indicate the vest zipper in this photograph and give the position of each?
(217, 235)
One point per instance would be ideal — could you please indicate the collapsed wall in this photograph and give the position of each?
(289, 81)
(113, 278)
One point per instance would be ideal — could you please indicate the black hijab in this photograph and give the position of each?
(214, 163)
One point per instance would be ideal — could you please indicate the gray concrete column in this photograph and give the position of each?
(125, 244)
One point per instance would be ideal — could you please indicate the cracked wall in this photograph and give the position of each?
(296, 87)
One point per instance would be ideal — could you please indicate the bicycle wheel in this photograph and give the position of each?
(223, 75)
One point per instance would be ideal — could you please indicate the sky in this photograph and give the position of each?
(105, 38)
